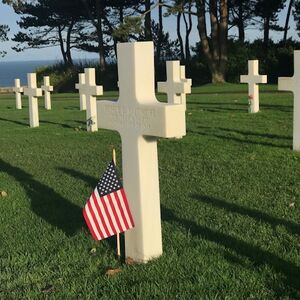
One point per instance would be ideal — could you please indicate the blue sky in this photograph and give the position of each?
(7, 16)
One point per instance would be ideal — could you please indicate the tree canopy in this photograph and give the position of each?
(98, 25)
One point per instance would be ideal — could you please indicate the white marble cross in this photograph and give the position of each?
(47, 89)
(18, 89)
(253, 78)
(79, 86)
(176, 86)
(188, 83)
(293, 84)
(141, 119)
(33, 92)
(90, 89)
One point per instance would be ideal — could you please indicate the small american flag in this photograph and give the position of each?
(107, 211)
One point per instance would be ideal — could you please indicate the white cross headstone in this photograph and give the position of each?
(18, 90)
(141, 119)
(188, 83)
(253, 78)
(33, 92)
(79, 86)
(175, 86)
(47, 89)
(293, 84)
(90, 90)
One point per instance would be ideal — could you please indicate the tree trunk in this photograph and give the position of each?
(148, 31)
(180, 37)
(188, 27)
(216, 52)
(266, 30)
(287, 20)
(61, 45)
(68, 44)
(241, 25)
(160, 33)
(101, 48)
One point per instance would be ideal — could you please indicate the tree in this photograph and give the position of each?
(268, 11)
(287, 20)
(3, 36)
(240, 14)
(215, 46)
(48, 23)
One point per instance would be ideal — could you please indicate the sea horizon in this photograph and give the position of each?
(10, 70)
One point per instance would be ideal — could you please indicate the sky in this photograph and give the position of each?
(8, 17)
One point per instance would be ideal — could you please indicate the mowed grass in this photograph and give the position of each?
(230, 194)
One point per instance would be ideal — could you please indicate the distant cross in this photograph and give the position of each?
(253, 78)
(33, 92)
(293, 84)
(47, 89)
(79, 86)
(175, 86)
(18, 90)
(141, 119)
(90, 89)
(188, 83)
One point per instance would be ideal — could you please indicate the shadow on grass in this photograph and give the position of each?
(46, 203)
(72, 108)
(92, 181)
(257, 256)
(15, 122)
(245, 132)
(293, 228)
(224, 135)
(217, 106)
(59, 124)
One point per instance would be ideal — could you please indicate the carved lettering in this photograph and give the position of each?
(139, 118)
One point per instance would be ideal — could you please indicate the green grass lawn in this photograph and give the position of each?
(230, 194)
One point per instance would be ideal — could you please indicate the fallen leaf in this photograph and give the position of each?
(112, 272)
(93, 251)
(3, 194)
(292, 204)
(190, 113)
(47, 289)
(130, 261)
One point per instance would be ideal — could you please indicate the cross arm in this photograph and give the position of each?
(47, 88)
(286, 84)
(158, 119)
(18, 89)
(36, 92)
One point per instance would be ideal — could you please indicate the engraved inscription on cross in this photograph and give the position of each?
(141, 119)
(79, 86)
(293, 84)
(47, 89)
(33, 92)
(18, 89)
(90, 90)
(253, 78)
(176, 86)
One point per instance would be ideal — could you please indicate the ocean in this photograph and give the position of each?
(19, 69)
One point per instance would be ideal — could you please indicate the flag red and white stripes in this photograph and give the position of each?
(107, 211)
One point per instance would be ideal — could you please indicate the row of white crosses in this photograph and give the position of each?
(46, 89)
(177, 86)
(284, 84)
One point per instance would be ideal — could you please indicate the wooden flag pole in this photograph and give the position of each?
(118, 234)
